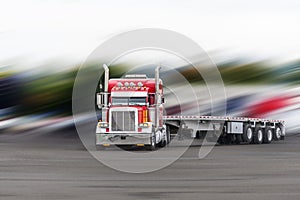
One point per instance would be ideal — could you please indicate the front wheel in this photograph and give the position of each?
(277, 133)
(168, 134)
(164, 140)
(152, 145)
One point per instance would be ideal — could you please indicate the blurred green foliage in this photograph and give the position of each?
(52, 92)
(49, 93)
(260, 73)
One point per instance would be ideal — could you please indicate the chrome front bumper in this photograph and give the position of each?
(106, 139)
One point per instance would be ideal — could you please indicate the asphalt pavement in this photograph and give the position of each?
(55, 165)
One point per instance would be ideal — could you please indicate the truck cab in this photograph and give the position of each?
(132, 112)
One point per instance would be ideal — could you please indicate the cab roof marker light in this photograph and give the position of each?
(140, 84)
(119, 84)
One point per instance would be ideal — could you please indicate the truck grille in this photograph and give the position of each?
(123, 120)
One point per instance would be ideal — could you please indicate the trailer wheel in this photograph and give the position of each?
(247, 134)
(268, 135)
(258, 135)
(277, 133)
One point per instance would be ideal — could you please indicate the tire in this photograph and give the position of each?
(168, 133)
(258, 135)
(268, 135)
(163, 143)
(152, 146)
(247, 134)
(153, 143)
(277, 133)
(238, 139)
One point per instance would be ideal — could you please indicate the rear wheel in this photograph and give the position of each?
(268, 135)
(277, 133)
(258, 135)
(247, 134)
(168, 134)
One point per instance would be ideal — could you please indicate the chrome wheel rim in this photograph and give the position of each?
(269, 135)
(278, 132)
(249, 133)
(259, 135)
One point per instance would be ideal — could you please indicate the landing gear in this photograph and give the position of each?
(238, 139)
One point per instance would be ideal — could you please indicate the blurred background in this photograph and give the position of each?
(255, 45)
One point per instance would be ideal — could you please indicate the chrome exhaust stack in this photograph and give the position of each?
(106, 79)
(157, 96)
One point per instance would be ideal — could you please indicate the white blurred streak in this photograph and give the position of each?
(41, 30)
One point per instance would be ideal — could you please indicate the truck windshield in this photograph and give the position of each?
(119, 101)
(141, 101)
(131, 101)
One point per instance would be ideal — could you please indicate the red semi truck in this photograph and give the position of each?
(132, 114)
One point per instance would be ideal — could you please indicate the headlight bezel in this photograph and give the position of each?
(144, 125)
(103, 124)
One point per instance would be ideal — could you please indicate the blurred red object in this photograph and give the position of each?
(261, 109)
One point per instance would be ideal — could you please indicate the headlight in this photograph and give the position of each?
(144, 125)
(103, 124)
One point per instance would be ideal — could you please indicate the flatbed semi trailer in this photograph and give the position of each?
(228, 129)
(132, 110)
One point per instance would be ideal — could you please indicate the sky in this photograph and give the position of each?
(35, 31)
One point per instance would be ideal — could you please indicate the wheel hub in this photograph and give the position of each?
(249, 133)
